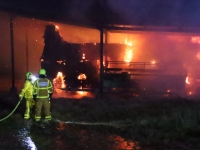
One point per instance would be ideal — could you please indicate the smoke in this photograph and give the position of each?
(157, 12)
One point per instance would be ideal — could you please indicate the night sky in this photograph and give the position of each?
(135, 12)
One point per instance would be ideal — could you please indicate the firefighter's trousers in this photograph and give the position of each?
(42, 104)
(29, 105)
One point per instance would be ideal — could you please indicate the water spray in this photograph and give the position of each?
(33, 78)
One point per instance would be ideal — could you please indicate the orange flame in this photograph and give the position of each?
(128, 53)
(59, 81)
(82, 76)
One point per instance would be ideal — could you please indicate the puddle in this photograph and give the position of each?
(25, 139)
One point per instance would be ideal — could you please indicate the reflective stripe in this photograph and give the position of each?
(37, 118)
(42, 96)
(48, 118)
(42, 88)
(43, 84)
(26, 115)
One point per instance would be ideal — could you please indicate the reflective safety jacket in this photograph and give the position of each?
(42, 88)
(27, 90)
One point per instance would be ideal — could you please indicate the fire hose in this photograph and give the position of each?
(11, 111)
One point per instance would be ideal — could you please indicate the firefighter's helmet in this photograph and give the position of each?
(28, 75)
(42, 72)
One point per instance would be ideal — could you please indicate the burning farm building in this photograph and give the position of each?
(146, 61)
(61, 56)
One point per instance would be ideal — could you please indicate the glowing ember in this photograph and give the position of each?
(128, 53)
(59, 81)
(83, 56)
(168, 90)
(59, 61)
(57, 27)
(187, 81)
(153, 62)
(82, 76)
(190, 93)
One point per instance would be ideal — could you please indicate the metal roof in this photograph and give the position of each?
(179, 15)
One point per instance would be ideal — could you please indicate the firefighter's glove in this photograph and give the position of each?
(34, 97)
(50, 96)
(20, 97)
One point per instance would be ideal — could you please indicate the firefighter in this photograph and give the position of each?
(42, 92)
(27, 92)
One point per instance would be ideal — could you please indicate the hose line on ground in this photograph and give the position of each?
(11, 111)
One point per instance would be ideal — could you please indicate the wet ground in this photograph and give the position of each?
(19, 134)
(59, 135)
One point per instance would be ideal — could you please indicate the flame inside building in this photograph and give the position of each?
(128, 52)
(147, 61)
(144, 59)
(59, 81)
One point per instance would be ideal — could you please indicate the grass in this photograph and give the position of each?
(167, 123)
